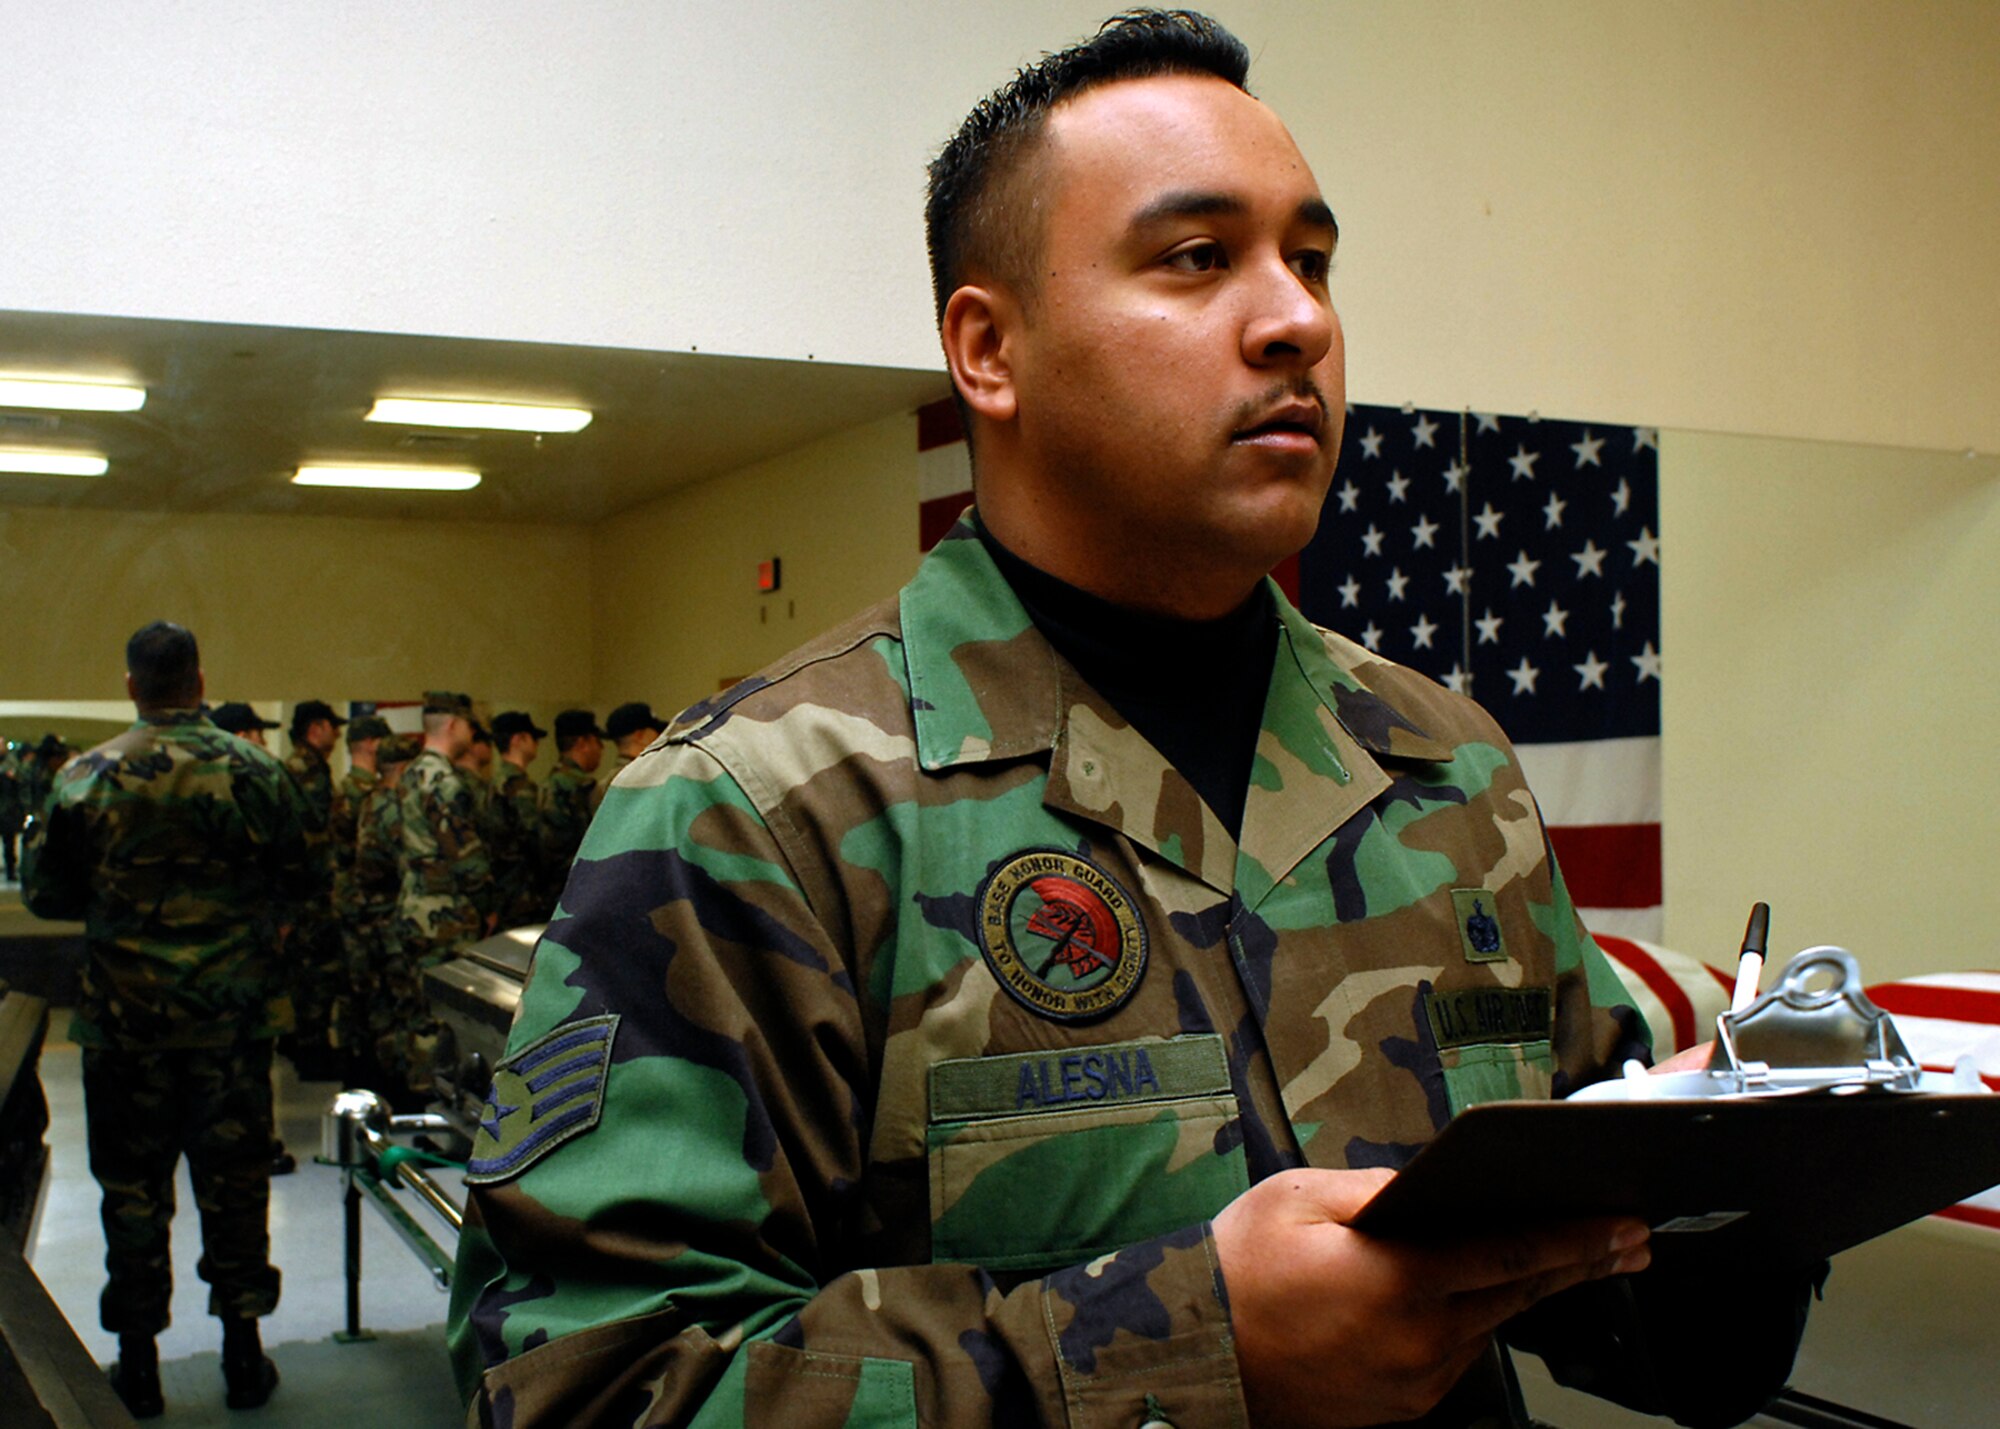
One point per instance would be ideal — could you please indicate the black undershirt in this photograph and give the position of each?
(1194, 688)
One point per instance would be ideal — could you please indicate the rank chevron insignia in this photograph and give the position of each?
(545, 1094)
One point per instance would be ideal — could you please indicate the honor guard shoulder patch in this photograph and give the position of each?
(1478, 930)
(545, 1094)
(1061, 935)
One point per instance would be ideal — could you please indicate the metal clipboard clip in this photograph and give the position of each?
(1815, 1031)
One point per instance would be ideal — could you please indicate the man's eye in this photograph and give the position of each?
(1200, 258)
(1313, 265)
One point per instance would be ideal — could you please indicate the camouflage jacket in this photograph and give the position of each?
(13, 808)
(565, 814)
(517, 847)
(181, 848)
(606, 777)
(446, 880)
(344, 831)
(906, 1018)
(376, 882)
(314, 776)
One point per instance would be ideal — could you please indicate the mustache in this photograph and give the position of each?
(1299, 389)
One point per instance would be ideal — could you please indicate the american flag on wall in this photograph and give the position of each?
(1517, 560)
(1514, 559)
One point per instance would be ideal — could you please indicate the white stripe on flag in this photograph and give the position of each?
(944, 471)
(1595, 781)
(1641, 925)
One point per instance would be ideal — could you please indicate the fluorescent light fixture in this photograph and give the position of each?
(492, 416)
(70, 396)
(33, 463)
(388, 478)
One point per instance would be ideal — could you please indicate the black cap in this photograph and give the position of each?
(575, 724)
(236, 717)
(305, 712)
(630, 718)
(513, 722)
(51, 744)
(367, 727)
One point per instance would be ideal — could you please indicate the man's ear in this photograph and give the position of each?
(981, 330)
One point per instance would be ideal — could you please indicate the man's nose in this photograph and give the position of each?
(1290, 321)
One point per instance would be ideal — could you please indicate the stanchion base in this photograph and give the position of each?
(358, 1337)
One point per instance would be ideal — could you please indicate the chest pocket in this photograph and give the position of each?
(1042, 1159)
(1495, 1044)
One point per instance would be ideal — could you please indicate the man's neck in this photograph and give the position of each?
(1130, 572)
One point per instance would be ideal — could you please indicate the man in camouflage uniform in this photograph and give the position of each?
(516, 852)
(447, 884)
(13, 812)
(566, 798)
(476, 766)
(173, 842)
(365, 734)
(313, 952)
(993, 1012)
(38, 772)
(631, 728)
(382, 982)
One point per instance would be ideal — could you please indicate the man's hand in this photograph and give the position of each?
(1334, 1327)
(1691, 1059)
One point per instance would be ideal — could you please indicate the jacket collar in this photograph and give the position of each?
(986, 686)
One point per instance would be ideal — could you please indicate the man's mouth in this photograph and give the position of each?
(1291, 424)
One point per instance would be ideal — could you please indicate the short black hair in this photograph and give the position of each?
(972, 218)
(165, 664)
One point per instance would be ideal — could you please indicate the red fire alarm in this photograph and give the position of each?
(767, 575)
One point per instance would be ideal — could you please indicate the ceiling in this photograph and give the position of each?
(231, 411)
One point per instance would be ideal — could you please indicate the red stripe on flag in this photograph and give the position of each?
(935, 517)
(938, 425)
(1728, 980)
(1972, 1215)
(1286, 574)
(1610, 865)
(1679, 1006)
(1949, 1004)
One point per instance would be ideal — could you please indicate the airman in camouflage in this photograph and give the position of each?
(179, 847)
(13, 809)
(394, 1042)
(566, 798)
(517, 876)
(477, 769)
(994, 1012)
(365, 734)
(447, 882)
(314, 952)
(631, 727)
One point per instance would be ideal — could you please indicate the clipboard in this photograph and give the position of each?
(1788, 1179)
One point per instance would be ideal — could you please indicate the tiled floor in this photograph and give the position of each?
(400, 1378)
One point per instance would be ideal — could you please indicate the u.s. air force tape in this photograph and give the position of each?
(1471, 1015)
(545, 1094)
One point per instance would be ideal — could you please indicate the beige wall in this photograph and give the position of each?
(1770, 218)
(1828, 617)
(296, 607)
(679, 611)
